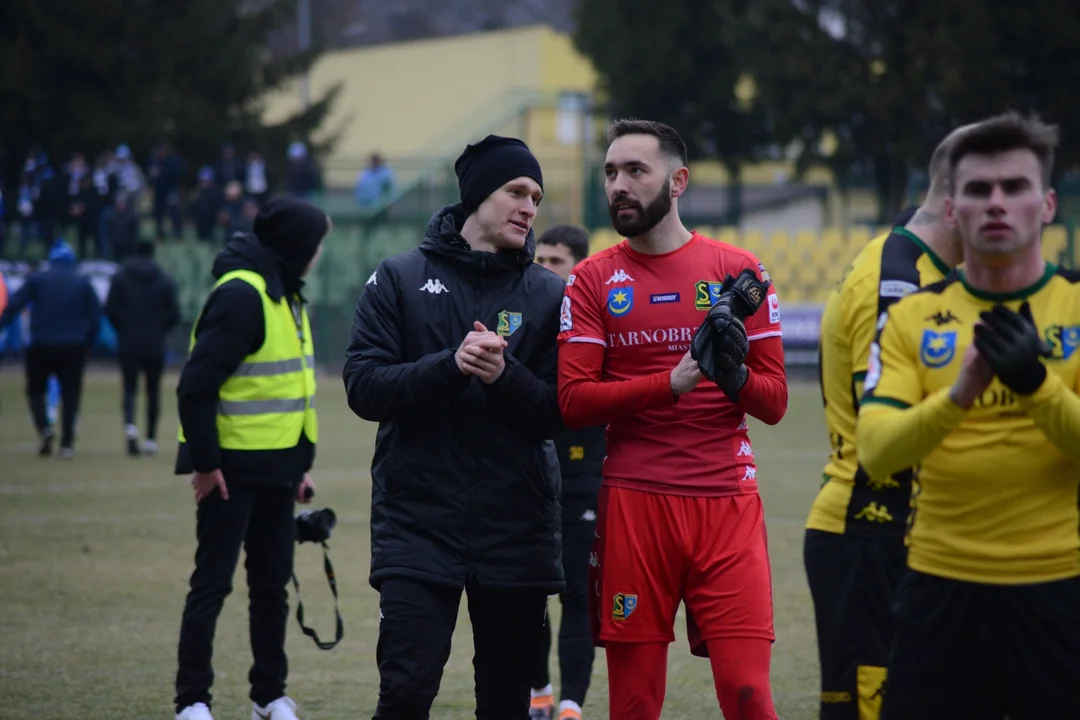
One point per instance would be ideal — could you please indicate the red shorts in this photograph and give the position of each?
(652, 551)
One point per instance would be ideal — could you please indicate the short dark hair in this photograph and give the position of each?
(671, 144)
(1005, 132)
(145, 248)
(572, 236)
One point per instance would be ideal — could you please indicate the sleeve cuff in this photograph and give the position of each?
(1051, 386)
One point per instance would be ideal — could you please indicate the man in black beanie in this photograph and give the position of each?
(248, 431)
(453, 353)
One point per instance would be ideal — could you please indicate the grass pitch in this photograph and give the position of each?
(95, 556)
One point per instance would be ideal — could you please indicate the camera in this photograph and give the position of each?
(315, 525)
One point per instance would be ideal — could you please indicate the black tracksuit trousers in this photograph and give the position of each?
(416, 623)
(261, 521)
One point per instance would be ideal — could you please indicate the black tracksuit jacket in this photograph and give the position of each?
(465, 478)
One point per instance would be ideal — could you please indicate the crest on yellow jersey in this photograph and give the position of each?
(937, 348)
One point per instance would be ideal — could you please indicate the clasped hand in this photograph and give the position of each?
(481, 354)
(1011, 344)
(1006, 344)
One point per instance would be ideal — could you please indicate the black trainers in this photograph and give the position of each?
(46, 443)
(132, 434)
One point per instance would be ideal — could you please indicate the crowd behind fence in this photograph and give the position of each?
(804, 264)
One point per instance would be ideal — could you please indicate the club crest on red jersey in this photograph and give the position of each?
(706, 293)
(623, 606)
(620, 300)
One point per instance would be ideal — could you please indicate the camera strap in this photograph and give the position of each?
(329, 568)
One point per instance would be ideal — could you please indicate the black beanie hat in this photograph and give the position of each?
(293, 229)
(486, 166)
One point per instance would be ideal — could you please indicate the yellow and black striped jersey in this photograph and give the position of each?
(888, 268)
(996, 486)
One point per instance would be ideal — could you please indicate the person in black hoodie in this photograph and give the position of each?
(453, 353)
(65, 317)
(143, 308)
(251, 357)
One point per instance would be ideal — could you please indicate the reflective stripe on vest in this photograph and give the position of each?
(273, 367)
(270, 399)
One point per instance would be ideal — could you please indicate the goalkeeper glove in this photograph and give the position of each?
(720, 345)
(1010, 342)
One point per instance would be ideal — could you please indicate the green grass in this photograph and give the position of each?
(95, 556)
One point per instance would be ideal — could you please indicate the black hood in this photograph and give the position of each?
(292, 229)
(143, 270)
(244, 252)
(443, 240)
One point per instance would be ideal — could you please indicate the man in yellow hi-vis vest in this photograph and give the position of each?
(248, 431)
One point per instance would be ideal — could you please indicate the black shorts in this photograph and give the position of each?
(984, 652)
(853, 581)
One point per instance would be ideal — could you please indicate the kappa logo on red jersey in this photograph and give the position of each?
(619, 276)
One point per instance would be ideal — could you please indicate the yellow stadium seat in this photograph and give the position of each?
(780, 273)
(1055, 243)
(603, 239)
(808, 241)
(728, 235)
(794, 295)
(820, 255)
(858, 237)
(807, 275)
(833, 238)
(781, 239)
(754, 241)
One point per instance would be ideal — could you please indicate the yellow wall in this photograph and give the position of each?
(421, 98)
(420, 102)
(563, 67)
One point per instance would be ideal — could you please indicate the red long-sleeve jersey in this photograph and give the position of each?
(627, 319)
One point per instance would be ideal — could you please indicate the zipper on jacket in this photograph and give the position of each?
(469, 528)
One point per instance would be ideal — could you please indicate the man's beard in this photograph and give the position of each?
(646, 217)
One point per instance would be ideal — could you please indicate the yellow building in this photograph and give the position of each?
(418, 103)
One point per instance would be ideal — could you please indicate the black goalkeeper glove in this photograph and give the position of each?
(720, 345)
(1010, 342)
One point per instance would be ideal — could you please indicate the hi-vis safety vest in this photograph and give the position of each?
(270, 399)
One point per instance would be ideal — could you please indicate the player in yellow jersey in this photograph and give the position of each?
(854, 550)
(974, 381)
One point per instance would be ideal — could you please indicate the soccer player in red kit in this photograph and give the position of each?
(679, 515)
